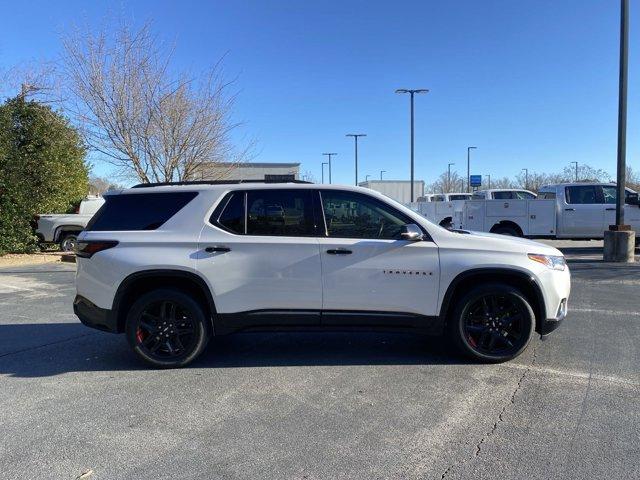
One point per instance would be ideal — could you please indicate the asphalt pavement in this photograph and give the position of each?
(320, 406)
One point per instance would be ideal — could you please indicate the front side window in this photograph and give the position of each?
(581, 194)
(524, 195)
(353, 215)
(280, 213)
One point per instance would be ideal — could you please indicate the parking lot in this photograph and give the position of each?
(318, 406)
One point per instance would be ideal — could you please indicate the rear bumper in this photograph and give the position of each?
(94, 316)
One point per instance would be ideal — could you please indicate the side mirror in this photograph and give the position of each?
(632, 199)
(411, 232)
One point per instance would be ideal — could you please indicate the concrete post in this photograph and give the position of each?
(619, 246)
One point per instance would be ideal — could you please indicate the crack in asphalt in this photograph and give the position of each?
(500, 419)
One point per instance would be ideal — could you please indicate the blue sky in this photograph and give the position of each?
(530, 83)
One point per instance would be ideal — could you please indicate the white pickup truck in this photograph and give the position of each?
(566, 210)
(64, 228)
(441, 208)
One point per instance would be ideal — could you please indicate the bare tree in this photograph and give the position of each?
(446, 183)
(150, 124)
(100, 185)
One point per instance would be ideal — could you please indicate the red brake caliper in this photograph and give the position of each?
(139, 335)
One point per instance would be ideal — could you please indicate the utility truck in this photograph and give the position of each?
(565, 210)
(441, 208)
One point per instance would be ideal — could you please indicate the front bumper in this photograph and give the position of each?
(94, 316)
(550, 324)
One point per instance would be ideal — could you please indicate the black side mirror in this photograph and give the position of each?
(632, 199)
(411, 232)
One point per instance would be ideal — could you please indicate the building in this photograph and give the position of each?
(247, 171)
(399, 190)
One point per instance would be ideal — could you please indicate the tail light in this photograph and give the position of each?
(88, 248)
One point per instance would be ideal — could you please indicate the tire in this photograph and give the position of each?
(506, 230)
(493, 314)
(68, 242)
(153, 323)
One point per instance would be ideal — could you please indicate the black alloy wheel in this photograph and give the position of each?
(167, 328)
(494, 323)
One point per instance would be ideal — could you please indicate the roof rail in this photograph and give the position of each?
(214, 182)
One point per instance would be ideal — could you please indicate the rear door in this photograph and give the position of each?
(260, 253)
(582, 212)
(367, 269)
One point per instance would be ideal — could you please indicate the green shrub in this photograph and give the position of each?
(42, 170)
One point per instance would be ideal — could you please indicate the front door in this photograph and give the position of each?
(260, 254)
(367, 269)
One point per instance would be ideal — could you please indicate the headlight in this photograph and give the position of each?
(554, 262)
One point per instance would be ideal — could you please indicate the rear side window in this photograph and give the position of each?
(547, 195)
(138, 211)
(502, 195)
(582, 194)
(280, 212)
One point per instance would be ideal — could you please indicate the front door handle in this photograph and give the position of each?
(611, 209)
(339, 251)
(569, 209)
(217, 249)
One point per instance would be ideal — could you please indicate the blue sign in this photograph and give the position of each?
(475, 180)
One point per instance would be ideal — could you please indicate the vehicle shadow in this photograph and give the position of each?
(55, 349)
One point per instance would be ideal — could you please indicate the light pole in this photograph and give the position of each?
(381, 172)
(366, 178)
(329, 155)
(576, 171)
(469, 167)
(620, 238)
(323, 164)
(449, 176)
(355, 137)
(489, 181)
(526, 178)
(412, 92)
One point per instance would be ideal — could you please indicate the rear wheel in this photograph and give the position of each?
(167, 328)
(68, 242)
(492, 323)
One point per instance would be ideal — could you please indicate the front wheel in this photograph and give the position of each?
(167, 328)
(492, 323)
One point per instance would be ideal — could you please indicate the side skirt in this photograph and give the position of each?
(326, 320)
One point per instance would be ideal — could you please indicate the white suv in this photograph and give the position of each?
(171, 265)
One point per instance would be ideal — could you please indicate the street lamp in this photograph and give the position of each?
(412, 92)
(355, 137)
(323, 164)
(449, 176)
(329, 155)
(381, 172)
(366, 178)
(489, 181)
(526, 178)
(576, 171)
(469, 167)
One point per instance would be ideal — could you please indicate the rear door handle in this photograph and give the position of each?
(339, 251)
(217, 249)
(569, 209)
(611, 209)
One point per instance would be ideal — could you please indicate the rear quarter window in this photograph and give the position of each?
(138, 211)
